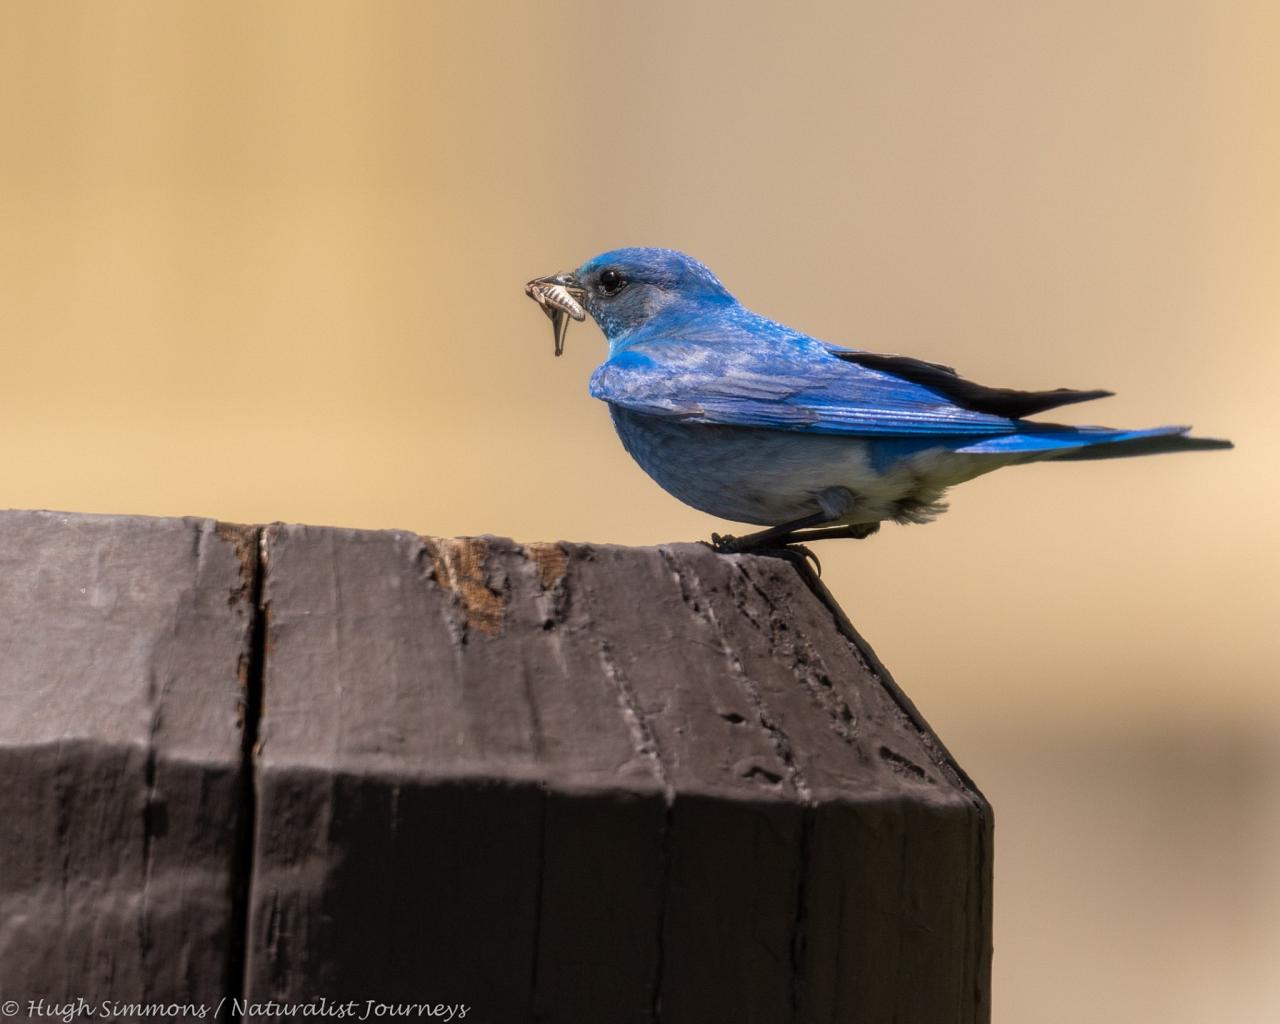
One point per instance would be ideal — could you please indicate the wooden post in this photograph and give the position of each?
(548, 782)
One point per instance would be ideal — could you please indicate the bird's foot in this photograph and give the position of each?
(788, 541)
(727, 544)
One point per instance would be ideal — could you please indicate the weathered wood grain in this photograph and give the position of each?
(551, 782)
(599, 783)
(124, 647)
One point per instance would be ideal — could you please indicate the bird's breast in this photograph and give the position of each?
(746, 474)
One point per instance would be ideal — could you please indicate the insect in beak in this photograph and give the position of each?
(559, 296)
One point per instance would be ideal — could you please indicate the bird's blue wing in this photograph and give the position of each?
(792, 382)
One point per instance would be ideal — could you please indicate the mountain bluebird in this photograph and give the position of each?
(755, 422)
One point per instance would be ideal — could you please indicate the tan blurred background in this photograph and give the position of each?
(264, 261)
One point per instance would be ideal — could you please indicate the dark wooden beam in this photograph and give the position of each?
(550, 782)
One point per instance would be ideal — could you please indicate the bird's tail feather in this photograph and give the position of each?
(1144, 446)
(1049, 441)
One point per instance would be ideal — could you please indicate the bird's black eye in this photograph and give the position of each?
(611, 282)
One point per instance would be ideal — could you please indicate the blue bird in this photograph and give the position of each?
(749, 420)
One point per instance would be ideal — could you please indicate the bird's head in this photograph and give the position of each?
(627, 289)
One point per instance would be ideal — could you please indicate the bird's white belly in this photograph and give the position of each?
(767, 477)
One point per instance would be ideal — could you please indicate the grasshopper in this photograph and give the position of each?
(558, 297)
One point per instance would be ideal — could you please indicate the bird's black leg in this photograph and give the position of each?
(857, 531)
(774, 537)
(794, 532)
(788, 540)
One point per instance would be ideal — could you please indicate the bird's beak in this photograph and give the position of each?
(560, 297)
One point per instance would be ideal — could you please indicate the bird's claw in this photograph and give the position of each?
(798, 554)
(724, 544)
